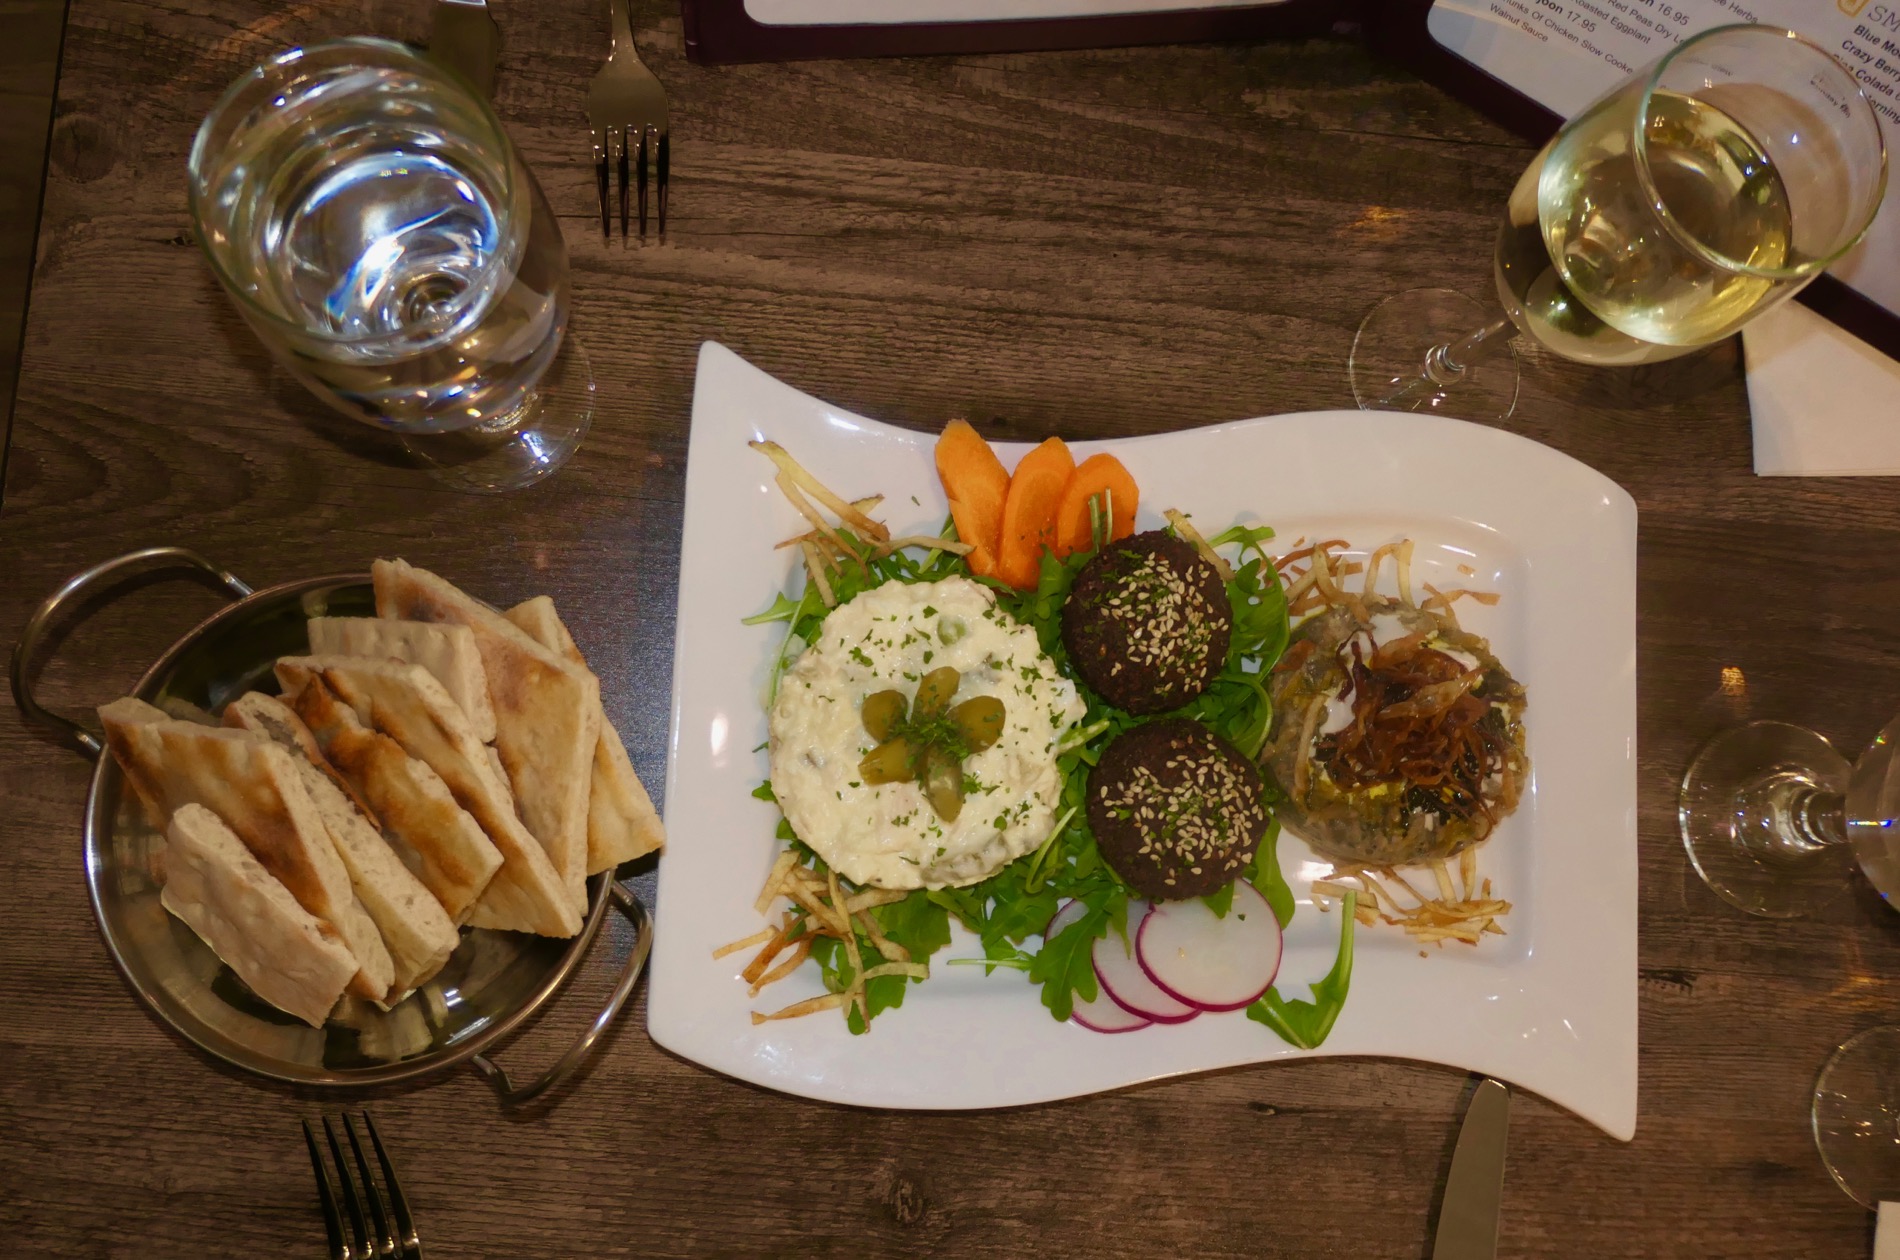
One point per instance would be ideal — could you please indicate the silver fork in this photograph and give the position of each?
(626, 112)
(376, 1234)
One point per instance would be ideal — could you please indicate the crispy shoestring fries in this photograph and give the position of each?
(1186, 530)
(820, 907)
(792, 472)
(1452, 915)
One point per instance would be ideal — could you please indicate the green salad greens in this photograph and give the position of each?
(1016, 903)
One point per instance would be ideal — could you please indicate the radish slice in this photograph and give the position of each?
(1122, 978)
(1102, 1015)
(1207, 962)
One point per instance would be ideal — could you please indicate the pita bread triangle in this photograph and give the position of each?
(252, 786)
(547, 712)
(415, 928)
(621, 821)
(406, 703)
(435, 837)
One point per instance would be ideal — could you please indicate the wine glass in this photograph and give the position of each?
(1686, 201)
(1775, 820)
(1856, 1113)
(378, 231)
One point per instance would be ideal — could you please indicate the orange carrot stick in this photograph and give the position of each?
(977, 486)
(1093, 476)
(1029, 514)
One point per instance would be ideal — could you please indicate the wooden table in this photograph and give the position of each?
(1090, 244)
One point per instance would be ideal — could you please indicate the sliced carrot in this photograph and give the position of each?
(1029, 514)
(977, 485)
(1098, 474)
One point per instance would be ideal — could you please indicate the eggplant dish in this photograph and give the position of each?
(1398, 737)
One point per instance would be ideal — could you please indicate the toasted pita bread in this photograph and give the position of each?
(547, 712)
(415, 928)
(406, 703)
(288, 956)
(440, 843)
(621, 821)
(253, 786)
(273, 719)
(444, 649)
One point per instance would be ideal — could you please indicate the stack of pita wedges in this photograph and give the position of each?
(437, 765)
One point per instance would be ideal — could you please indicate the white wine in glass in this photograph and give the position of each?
(1660, 219)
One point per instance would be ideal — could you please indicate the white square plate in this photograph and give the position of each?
(1550, 1007)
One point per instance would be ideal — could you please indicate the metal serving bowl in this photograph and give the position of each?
(492, 984)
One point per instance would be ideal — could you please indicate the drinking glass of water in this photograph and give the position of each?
(1689, 199)
(375, 227)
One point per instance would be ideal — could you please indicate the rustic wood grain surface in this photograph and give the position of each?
(1091, 244)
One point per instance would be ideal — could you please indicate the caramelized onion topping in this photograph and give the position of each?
(1416, 722)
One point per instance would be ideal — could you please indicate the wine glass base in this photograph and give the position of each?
(519, 449)
(1857, 1115)
(1728, 817)
(1389, 356)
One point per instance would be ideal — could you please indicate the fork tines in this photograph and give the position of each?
(628, 161)
(379, 1224)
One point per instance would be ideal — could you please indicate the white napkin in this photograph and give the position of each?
(1887, 1232)
(1825, 403)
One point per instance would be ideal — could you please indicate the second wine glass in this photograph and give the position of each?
(1660, 219)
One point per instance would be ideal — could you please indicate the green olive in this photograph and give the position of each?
(884, 712)
(979, 721)
(890, 762)
(943, 783)
(934, 692)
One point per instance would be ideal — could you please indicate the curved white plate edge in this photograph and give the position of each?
(1619, 1121)
(1616, 496)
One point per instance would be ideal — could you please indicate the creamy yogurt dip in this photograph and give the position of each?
(887, 835)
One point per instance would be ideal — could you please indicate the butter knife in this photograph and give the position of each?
(1468, 1214)
(463, 36)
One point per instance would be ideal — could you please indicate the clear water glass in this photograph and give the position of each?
(376, 228)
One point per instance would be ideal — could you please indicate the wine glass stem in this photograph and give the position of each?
(1447, 364)
(1785, 816)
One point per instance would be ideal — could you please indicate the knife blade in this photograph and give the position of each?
(463, 36)
(1468, 1214)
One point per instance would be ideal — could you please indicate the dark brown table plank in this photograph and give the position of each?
(1092, 244)
(29, 66)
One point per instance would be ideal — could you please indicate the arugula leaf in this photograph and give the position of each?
(1306, 1024)
(1264, 873)
(1221, 900)
(1064, 966)
(784, 608)
(917, 923)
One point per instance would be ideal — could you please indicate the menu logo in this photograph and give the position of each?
(1851, 8)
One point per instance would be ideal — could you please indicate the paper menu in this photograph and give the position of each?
(1565, 53)
(885, 12)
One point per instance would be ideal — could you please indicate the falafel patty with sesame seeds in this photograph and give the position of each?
(1147, 623)
(1177, 811)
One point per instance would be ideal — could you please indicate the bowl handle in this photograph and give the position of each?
(497, 1076)
(71, 733)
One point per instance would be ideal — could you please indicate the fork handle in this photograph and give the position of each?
(496, 1075)
(620, 26)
